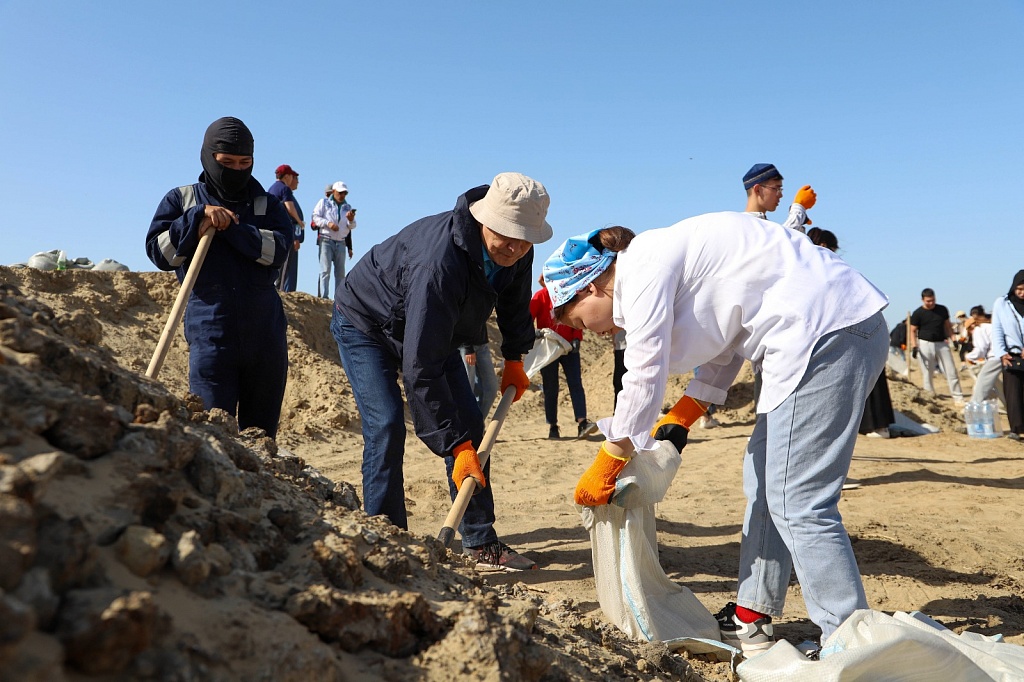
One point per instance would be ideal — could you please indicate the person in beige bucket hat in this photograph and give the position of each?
(402, 314)
(515, 206)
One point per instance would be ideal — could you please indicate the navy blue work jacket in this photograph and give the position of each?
(422, 293)
(242, 257)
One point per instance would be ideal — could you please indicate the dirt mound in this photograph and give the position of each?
(142, 538)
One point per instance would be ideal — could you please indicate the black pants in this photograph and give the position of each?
(1013, 387)
(617, 374)
(878, 412)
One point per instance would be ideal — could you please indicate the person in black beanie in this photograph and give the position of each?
(234, 322)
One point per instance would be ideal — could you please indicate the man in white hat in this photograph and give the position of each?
(406, 308)
(334, 219)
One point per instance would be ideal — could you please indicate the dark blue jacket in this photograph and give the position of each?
(284, 193)
(421, 294)
(244, 256)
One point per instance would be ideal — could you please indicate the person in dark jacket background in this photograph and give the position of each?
(406, 308)
(283, 188)
(234, 322)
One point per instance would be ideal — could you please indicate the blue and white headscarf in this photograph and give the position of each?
(573, 266)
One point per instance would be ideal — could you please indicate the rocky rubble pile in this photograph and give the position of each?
(144, 538)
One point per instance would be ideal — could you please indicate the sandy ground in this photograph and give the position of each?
(935, 522)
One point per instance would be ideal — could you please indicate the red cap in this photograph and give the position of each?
(285, 170)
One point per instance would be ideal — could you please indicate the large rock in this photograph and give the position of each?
(143, 550)
(395, 624)
(189, 559)
(17, 540)
(104, 629)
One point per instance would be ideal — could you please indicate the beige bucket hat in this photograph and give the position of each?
(515, 206)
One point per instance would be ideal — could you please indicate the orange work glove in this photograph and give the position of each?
(467, 465)
(805, 196)
(597, 484)
(675, 426)
(513, 374)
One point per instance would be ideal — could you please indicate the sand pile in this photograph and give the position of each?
(143, 538)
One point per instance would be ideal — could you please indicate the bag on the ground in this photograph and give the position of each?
(871, 645)
(633, 590)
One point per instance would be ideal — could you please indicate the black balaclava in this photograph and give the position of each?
(226, 135)
(1017, 303)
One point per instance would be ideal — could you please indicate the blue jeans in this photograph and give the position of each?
(549, 375)
(332, 254)
(373, 374)
(796, 463)
(482, 378)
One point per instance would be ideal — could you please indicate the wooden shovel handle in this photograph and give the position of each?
(178, 310)
(454, 518)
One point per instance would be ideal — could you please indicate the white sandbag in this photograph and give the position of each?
(633, 590)
(871, 645)
(548, 347)
(905, 423)
(44, 260)
(110, 265)
(897, 362)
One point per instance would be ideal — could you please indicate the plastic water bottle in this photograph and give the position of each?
(973, 416)
(988, 419)
(62, 261)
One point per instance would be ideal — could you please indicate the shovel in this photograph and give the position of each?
(454, 517)
(178, 310)
(548, 348)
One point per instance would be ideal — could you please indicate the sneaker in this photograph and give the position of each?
(707, 422)
(1013, 436)
(553, 432)
(812, 650)
(586, 428)
(879, 433)
(499, 555)
(750, 638)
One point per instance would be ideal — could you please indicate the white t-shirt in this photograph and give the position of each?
(715, 290)
(981, 339)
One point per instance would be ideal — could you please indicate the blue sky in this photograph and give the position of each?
(904, 116)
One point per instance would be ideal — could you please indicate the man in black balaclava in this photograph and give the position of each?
(234, 322)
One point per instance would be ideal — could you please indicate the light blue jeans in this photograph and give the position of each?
(796, 463)
(482, 378)
(989, 382)
(332, 255)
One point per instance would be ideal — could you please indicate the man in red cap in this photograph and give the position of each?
(287, 183)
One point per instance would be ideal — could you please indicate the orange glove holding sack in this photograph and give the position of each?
(513, 374)
(597, 485)
(467, 465)
(805, 196)
(675, 426)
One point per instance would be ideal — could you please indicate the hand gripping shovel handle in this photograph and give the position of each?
(178, 310)
(454, 518)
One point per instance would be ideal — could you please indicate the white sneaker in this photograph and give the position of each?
(707, 422)
(879, 433)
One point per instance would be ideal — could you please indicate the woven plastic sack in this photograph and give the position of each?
(110, 265)
(548, 347)
(871, 645)
(633, 590)
(44, 260)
